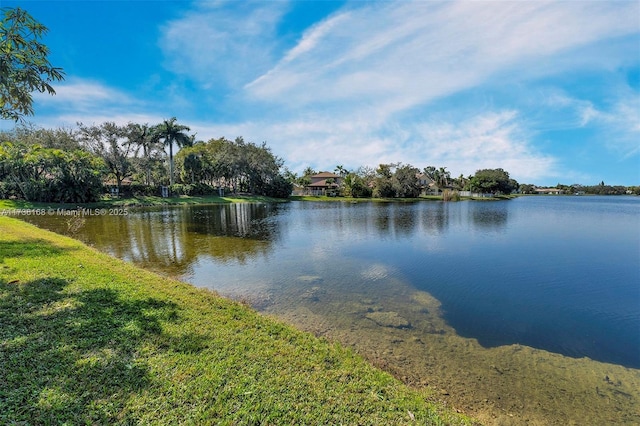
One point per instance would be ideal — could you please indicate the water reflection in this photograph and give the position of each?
(455, 251)
(490, 216)
(171, 240)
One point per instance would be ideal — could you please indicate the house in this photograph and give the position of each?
(324, 183)
(554, 191)
(429, 187)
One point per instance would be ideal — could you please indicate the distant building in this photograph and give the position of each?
(428, 185)
(324, 183)
(549, 191)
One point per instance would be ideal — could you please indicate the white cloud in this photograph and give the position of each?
(489, 140)
(616, 122)
(223, 43)
(395, 55)
(354, 78)
(90, 102)
(80, 94)
(621, 126)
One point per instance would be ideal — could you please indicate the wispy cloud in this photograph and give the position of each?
(87, 101)
(359, 74)
(81, 94)
(397, 55)
(615, 122)
(620, 127)
(485, 141)
(492, 140)
(223, 43)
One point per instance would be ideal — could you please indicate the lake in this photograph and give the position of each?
(558, 274)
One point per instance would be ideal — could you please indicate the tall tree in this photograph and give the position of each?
(341, 171)
(30, 134)
(383, 184)
(110, 142)
(143, 138)
(305, 179)
(170, 132)
(24, 67)
(492, 181)
(443, 177)
(405, 181)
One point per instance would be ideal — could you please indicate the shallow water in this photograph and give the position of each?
(483, 301)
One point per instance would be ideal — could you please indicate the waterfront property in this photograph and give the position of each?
(548, 191)
(324, 183)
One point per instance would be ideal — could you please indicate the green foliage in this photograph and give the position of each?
(396, 181)
(527, 188)
(29, 134)
(192, 189)
(355, 186)
(278, 187)
(35, 173)
(603, 189)
(492, 181)
(148, 165)
(439, 176)
(79, 177)
(383, 185)
(405, 182)
(24, 67)
(111, 143)
(449, 195)
(237, 165)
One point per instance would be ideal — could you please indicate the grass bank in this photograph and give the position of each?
(141, 201)
(88, 339)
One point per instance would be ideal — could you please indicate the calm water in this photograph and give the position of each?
(555, 273)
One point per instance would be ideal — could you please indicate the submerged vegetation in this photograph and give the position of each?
(88, 339)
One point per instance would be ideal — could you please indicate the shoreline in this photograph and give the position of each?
(511, 384)
(90, 338)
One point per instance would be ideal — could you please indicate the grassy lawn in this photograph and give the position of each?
(89, 339)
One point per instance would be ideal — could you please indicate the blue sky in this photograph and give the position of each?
(549, 91)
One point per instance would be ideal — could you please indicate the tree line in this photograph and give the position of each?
(397, 180)
(77, 165)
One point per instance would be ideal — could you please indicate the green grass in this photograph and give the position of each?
(89, 339)
(141, 201)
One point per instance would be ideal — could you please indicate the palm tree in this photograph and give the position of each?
(170, 131)
(443, 177)
(143, 137)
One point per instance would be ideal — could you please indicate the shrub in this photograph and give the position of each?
(448, 195)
